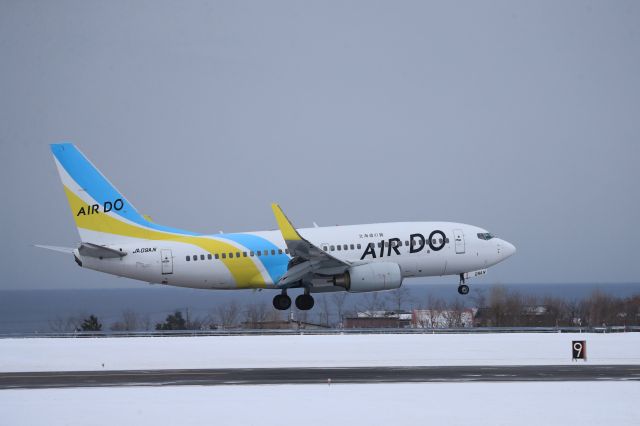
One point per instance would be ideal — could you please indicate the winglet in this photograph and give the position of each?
(303, 249)
(289, 233)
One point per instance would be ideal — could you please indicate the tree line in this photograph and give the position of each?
(497, 307)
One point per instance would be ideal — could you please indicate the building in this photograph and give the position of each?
(378, 319)
(432, 318)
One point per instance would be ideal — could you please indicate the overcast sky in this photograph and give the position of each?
(520, 117)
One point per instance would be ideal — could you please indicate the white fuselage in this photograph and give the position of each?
(172, 261)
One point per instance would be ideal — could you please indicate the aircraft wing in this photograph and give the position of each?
(311, 259)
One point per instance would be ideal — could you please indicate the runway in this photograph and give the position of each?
(263, 376)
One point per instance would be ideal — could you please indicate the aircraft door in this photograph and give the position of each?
(166, 259)
(458, 236)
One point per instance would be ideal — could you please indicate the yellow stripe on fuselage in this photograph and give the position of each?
(244, 271)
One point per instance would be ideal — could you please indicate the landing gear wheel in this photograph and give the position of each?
(304, 302)
(463, 289)
(282, 302)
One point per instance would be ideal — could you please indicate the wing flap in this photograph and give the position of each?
(296, 273)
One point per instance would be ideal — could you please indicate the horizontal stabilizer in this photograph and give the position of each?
(55, 248)
(94, 250)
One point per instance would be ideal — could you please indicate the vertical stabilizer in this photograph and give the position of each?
(102, 214)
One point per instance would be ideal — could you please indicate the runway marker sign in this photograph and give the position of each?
(579, 350)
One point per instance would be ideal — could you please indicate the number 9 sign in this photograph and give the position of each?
(579, 350)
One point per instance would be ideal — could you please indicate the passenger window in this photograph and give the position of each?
(280, 251)
(265, 253)
(352, 247)
(359, 246)
(217, 256)
(258, 253)
(202, 257)
(273, 252)
(440, 240)
(230, 255)
(346, 247)
(332, 248)
(251, 253)
(324, 248)
(244, 254)
(339, 247)
(195, 257)
(209, 256)
(406, 243)
(237, 254)
(188, 258)
(224, 255)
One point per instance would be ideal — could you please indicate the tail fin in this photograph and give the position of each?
(102, 214)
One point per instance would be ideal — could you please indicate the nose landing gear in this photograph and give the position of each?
(462, 287)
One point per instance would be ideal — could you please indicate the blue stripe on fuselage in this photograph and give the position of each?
(276, 265)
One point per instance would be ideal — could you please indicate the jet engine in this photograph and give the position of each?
(370, 277)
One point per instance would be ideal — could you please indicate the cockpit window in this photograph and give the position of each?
(485, 235)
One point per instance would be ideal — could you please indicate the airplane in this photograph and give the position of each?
(118, 240)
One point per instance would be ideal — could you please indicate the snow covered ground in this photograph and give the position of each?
(478, 404)
(312, 351)
(530, 403)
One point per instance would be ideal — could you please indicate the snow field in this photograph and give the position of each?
(478, 404)
(48, 354)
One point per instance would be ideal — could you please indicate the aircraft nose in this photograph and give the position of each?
(507, 249)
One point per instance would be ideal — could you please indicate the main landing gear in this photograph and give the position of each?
(304, 302)
(463, 288)
(282, 301)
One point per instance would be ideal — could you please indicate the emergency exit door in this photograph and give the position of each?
(166, 259)
(458, 236)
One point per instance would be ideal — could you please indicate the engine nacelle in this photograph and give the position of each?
(370, 277)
